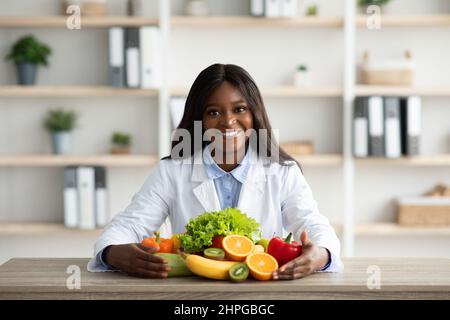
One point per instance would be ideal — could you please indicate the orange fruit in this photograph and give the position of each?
(237, 247)
(261, 265)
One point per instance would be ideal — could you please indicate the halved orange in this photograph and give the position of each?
(237, 247)
(261, 265)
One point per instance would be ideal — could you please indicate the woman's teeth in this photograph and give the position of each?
(231, 133)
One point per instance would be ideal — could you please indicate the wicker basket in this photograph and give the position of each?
(424, 211)
(388, 72)
(388, 77)
(87, 7)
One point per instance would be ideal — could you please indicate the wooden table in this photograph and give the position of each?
(399, 279)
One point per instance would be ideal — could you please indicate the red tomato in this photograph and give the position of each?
(217, 242)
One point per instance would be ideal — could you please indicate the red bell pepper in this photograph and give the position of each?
(283, 250)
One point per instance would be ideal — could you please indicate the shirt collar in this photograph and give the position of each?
(214, 171)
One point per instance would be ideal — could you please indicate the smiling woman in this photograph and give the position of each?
(257, 178)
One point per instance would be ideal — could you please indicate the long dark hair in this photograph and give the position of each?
(206, 82)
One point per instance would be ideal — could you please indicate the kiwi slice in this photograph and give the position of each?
(214, 253)
(238, 272)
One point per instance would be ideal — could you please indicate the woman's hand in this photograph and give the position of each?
(136, 260)
(313, 258)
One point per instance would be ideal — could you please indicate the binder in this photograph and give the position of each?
(116, 57)
(86, 197)
(177, 105)
(376, 127)
(150, 57)
(71, 218)
(101, 197)
(132, 57)
(411, 108)
(392, 127)
(272, 8)
(288, 8)
(257, 8)
(360, 128)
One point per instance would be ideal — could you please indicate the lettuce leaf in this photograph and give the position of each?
(201, 229)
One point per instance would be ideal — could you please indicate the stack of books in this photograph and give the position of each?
(386, 126)
(85, 197)
(135, 57)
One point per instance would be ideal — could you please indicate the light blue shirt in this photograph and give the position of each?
(228, 184)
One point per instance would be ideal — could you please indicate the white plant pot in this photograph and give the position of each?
(302, 79)
(197, 8)
(62, 142)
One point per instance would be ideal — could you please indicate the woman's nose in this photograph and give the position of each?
(228, 119)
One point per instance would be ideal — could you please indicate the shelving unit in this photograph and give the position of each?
(8, 228)
(74, 91)
(246, 21)
(86, 22)
(283, 92)
(394, 229)
(406, 21)
(432, 91)
(361, 230)
(348, 25)
(77, 160)
(416, 161)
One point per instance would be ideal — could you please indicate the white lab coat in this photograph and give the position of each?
(277, 196)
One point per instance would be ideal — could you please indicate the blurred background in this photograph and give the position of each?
(360, 95)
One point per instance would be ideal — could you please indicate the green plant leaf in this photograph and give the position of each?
(29, 49)
(60, 120)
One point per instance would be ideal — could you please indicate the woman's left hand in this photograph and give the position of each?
(313, 258)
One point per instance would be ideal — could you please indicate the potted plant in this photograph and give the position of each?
(121, 143)
(312, 10)
(301, 76)
(28, 53)
(364, 4)
(60, 124)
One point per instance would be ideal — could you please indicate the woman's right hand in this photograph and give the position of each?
(136, 260)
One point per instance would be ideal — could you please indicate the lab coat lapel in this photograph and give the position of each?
(252, 191)
(204, 188)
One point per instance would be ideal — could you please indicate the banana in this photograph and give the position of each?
(209, 268)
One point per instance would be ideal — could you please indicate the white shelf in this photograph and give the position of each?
(394, 229)
(432, 91)
(394, 21)
(415, 161)
(248, 21)
(41, 228)
(368, 229)
(34, 160)
(74, 91)
(283, 91)
(86, 22)
(319, 160)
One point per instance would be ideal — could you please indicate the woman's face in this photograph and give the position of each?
(227, 111)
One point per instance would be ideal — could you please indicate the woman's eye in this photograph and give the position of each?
(241, 109)
(212, 113)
